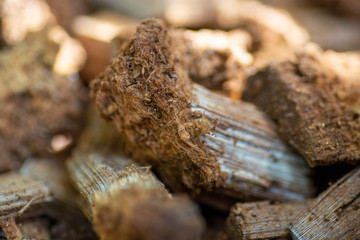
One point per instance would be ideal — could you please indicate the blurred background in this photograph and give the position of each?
(333, 24)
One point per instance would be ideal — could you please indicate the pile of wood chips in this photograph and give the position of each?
(217, 120)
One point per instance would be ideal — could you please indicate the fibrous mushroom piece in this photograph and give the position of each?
(316, 108)
(192, 137)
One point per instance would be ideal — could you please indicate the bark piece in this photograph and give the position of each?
(53, 173)
(18, 193)
(316, 109)
(37, 104)
(191, 136)
(334, 214)
(215, 58)
(125, 201)
(263, 220)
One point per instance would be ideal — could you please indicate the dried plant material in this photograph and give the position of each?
(135, 212)
(334, 214)
(213, 57)
(8, 225)
(18, 17)
(230, 14)
(191, 136)
(36, 103)
(125, 201)
(263, 220)
(273, 36)
(53, 173)
(20, 193)
(314, 107)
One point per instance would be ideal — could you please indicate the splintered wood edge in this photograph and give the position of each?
(245, 139)
(97, 176)
(263, 220)
(20, 193)
(334, 214)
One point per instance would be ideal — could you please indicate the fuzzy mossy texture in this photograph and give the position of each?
(147, 94)
(316, 109)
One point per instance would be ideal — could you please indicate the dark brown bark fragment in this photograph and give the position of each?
(334, 214)
(316, 110)
(263, 220)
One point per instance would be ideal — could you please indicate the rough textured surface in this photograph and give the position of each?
(317, 110)
(334, 214)
(263, 220)
(258, 163)
(190, 135)
(36, 103)
(147, 95)
(18, 193)
(215, 59)
(222, 60)
(125, 201)
(8, 225)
